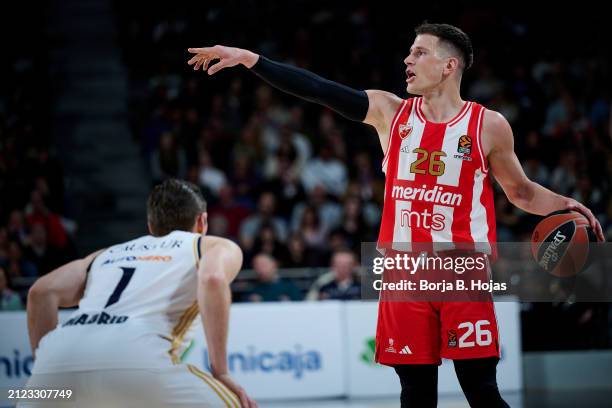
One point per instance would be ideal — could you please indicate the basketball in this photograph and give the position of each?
(560, 243)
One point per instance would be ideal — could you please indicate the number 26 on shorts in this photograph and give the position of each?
(475, 334)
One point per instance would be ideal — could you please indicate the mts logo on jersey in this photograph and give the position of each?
(425, 219)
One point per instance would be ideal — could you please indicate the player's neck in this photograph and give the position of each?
(441, 105)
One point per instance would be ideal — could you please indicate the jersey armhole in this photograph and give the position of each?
(91, 264)
(398, 113)
(197, 250)
(484, 165)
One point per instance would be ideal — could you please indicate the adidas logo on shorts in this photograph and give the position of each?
(406, 350)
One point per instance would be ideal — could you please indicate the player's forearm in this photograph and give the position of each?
(536, 199)
(214, 299)
(42, 312)
(350, 103)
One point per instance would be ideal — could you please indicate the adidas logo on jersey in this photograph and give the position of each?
(406, 350)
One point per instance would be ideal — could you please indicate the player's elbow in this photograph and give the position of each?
(520, 194)
(39, 290)
(214, 280)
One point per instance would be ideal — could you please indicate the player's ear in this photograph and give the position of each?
(452, 65)
(202, 223)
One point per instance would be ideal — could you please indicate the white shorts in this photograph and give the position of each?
(183, 386)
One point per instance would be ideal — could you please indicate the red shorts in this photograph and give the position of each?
(425, 332)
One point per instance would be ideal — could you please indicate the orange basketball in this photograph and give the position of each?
(560, 243)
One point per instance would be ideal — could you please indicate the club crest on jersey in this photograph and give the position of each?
(452, 338)
(391, 349)
(405, 130)
(465, 145)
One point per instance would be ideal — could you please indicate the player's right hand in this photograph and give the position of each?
(227, 57)
(245, 400)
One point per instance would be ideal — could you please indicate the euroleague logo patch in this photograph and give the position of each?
(452, 338)
(405, 131)
(465, 145)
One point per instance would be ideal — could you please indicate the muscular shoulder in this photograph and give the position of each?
(496, 132)
(382, 107)
(219, 246)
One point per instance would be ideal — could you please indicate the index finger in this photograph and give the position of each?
(599, 232)
(205, 50)
(595, 226)
(244, 400)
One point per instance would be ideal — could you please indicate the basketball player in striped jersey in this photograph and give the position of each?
(440, 154)
(136, 302)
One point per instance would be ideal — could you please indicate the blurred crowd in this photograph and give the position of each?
(35, 234)
(296, 185)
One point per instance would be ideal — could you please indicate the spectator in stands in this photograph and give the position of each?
(311, 229)
(507, 218)
(329, 211)
(245, 180)
(45, 257)
(327, 171)
(364, 175)
(249, 144)
(268, 242)
(48, 168)
(169, 160)
(564, 175)
(16, 227)
(270, 287)
(290, 134)
(285, 156)
(589, 194)
(285, 182)
(229, 209)
(16, 265)
(210, 178)
(558, 114)
(341, 283)
(39, 213)
(265, 214)
(536, 171)
(353, 225)
(9, 300)
(298, 256)
(188, 135)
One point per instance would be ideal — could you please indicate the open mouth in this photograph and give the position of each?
(410, 76)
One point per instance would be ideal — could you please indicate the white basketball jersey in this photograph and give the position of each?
(140, 300)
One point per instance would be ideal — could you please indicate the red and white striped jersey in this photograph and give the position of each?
(437, 185)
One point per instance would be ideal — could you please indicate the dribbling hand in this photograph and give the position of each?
(574, 205)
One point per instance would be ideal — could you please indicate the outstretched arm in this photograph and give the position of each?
(348, 102)
(61, 288)
(374, 107)
(529, 196)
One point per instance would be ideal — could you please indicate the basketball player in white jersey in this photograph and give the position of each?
(440, 153)
(136, 302)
